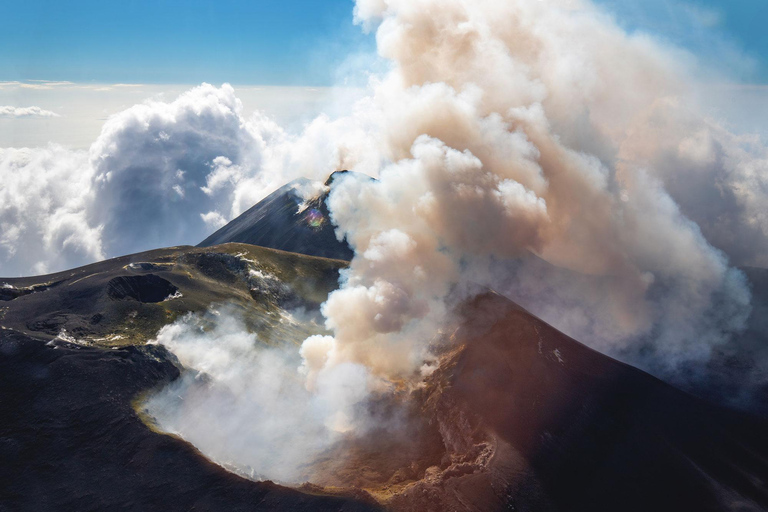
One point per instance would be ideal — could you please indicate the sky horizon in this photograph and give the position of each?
(73, 114)
(255, 43)
(300, 42)
(66, 70)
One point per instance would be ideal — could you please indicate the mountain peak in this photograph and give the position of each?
(280, 222)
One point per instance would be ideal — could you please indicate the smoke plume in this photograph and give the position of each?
(533, 147)
(536, 148)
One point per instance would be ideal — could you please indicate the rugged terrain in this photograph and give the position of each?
(126, 300)
(517, 416)
(520, 417)
(74, 362)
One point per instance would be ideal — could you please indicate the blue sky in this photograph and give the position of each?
(290, 42)
(726, 34)
(294, 42)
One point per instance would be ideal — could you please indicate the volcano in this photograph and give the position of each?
(515, 415)
(285, 221)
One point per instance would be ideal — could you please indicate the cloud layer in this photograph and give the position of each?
(44, 198)
(8, 111)
(154, 177)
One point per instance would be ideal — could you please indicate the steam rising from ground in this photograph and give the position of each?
(245, 405)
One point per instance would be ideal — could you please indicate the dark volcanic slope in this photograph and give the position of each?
(73, 360)
(70, 439)
(517, 416)
(276, 222)
(521, 417)
(574, 430)
(126, 300)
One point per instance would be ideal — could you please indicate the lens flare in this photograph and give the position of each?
(315, 218)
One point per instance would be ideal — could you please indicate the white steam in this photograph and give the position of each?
(244, 404)
(532, 147)
(516, 128)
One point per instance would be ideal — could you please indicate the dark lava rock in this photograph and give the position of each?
(11, 293)
(143, 288)
(225, 268)
(70, 439)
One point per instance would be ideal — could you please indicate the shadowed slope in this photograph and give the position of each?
(519, 416)
(71, 440)
(282, 221)
(596, 434)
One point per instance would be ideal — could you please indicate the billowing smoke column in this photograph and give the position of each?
(536, 138)
(246, 405)
(529, 146)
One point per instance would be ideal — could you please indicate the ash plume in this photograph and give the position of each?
(533, 147)
(508, 149)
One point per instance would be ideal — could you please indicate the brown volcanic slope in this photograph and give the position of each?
(521, 417)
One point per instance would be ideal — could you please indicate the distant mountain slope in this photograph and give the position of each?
(126, 300)
(280, 221)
